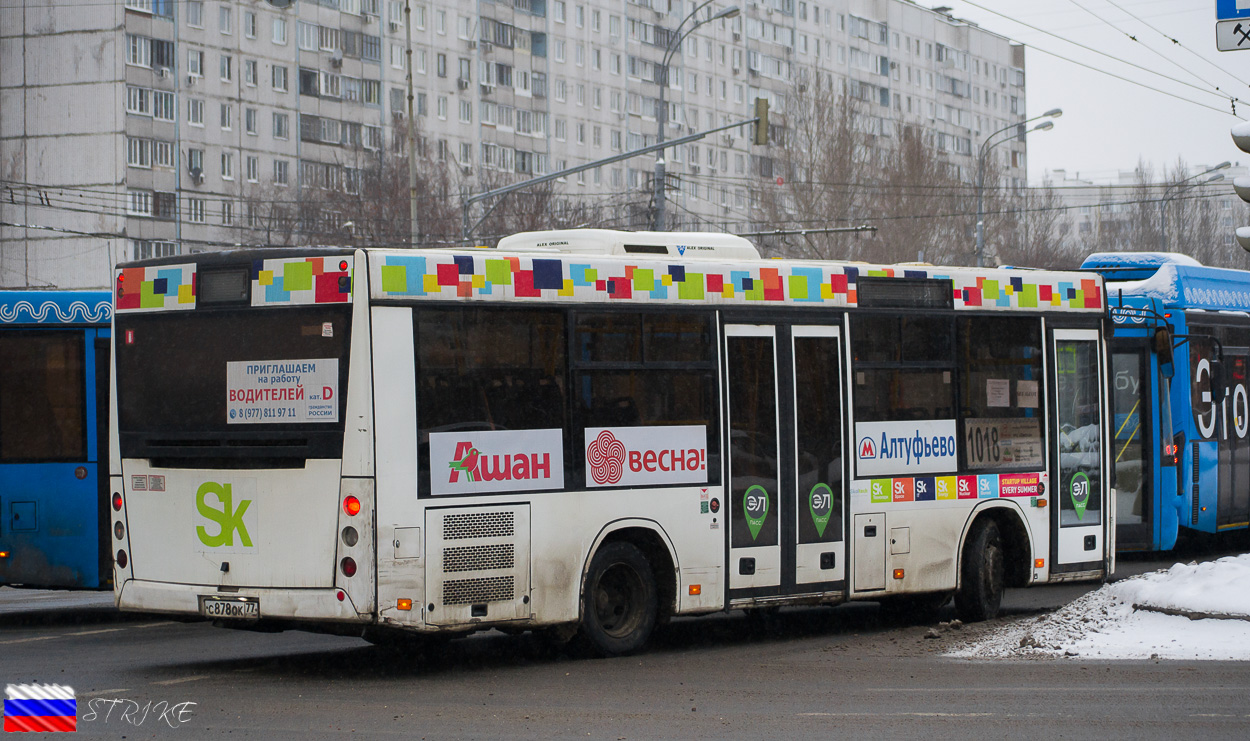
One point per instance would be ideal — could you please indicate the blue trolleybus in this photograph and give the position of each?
(54, 370)
(1180, 350)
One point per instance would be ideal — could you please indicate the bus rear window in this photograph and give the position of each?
(210, 379)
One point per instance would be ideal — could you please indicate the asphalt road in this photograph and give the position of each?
(812, 672)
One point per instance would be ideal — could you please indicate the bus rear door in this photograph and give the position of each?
(1081, 510)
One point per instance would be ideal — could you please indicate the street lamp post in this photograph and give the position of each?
(1180, 187)
(661, 115)
(986, 146)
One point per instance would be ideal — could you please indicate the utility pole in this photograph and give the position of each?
(412, 133)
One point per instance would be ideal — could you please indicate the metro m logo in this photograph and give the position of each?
(867, 448)
(228, 518)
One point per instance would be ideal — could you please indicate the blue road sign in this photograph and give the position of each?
(1228, 9)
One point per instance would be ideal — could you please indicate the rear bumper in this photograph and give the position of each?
(321, 605)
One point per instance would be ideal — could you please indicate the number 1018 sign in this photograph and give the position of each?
(991, 442)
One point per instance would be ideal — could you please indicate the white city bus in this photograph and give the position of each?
(597, 430)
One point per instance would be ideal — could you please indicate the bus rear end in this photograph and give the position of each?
(241, 486)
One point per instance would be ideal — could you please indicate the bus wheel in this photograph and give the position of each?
(982, 575)
(620, 601)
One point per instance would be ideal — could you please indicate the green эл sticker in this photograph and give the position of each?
(755, 508)
(1078, 489)
(820, 503)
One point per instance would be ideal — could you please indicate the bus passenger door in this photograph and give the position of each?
(752, 509)
(820, 552)
(1079, 491)
(785, 503)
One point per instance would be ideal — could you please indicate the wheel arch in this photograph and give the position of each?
(649, 537)
(1016, 536)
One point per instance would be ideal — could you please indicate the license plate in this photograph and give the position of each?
(244, 608)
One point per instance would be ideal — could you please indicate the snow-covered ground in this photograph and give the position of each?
(1122, 620)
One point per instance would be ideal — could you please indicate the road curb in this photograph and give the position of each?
(1191, 614)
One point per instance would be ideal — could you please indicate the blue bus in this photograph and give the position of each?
(54, 378)
(1179, 352)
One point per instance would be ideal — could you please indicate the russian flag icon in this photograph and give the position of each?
(40, 708)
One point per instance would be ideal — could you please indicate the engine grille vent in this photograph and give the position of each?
(479, 525)
(478, 557)
(477, 591)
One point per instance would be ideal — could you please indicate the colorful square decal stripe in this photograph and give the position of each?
(158, 288)
(498, 277)
(307, 280)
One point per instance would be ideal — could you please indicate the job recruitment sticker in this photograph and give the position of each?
(281, 391)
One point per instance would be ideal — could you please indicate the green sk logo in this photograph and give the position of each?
(227, 518)
(1079, 490)
(755, 507)
(820, 503)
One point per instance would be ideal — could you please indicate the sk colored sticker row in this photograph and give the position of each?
(939, 488)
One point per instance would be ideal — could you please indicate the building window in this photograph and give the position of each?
(162, 154)
(227, 212)
(281, 172)
(139, 203)
(195, 160)
(144, 249)
(138, 101)
(227, 166)
(227, 116)
(279, 31)
(163, 105)
(227, 68)
(279, 75)
(281, 126)
(250, 74)
(138, 51)
(225, 20)
(253, 169)
(195, 13)
(249, 24)
(164, 205)
(309, 36)
(249, 121)
(138, 152)
(195, 63)
(195, 210)
(195, 111)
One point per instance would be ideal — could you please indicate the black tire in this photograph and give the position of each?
(982, 573)
(619, 604)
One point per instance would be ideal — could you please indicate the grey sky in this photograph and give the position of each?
(1108, 124)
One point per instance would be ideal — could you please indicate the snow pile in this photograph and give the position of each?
(1161, 285)
(1121, 620)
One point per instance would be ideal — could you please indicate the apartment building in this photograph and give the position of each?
(1121, 212)
(155, 127)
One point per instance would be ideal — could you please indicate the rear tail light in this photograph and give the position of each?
(121, 559)
(351, 505)
(117, 501)
(119, 530)
(1171, 455)
(350, 536)
(348, 565)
